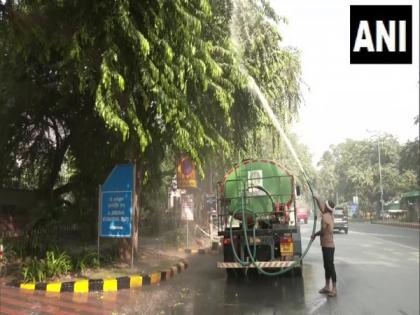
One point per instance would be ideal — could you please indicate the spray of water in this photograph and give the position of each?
(238, 20)
(239, 9)
(257, 91)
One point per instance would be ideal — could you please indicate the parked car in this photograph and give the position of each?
(341, 220)
(302, 215)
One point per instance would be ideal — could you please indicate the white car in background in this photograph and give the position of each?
(341, 220)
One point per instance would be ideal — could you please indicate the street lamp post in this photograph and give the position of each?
(380, 179)
(380, 171)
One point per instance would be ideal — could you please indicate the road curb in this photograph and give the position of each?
(399, 224)
(200, 251)
(107, 285)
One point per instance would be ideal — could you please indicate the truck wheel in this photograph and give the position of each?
(306, 221)
(346, 231)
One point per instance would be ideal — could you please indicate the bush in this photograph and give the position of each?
(87, 260)
(39, 270)
(56, 266)
(33, 271)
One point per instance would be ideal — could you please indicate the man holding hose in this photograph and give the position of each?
(327, 244)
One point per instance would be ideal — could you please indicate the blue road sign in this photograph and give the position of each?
(353, 208)
(116, 205)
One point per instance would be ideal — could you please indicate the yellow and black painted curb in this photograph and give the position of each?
(193, 251)
(198, 251)
(107, 285)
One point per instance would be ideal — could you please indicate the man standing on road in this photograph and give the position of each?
(327, 244)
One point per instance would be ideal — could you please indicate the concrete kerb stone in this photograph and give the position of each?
(107, 285)
(194, 251)
(118, 283)
(399, 224)
(200, 251)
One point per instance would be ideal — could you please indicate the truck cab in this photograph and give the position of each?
(302, 215)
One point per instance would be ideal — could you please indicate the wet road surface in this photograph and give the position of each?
(377, 269)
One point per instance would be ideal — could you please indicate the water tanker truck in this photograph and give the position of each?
(256, 202)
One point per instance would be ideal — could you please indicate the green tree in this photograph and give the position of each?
(410, 157)
(327, 181)
(89, 84)
(352, 168)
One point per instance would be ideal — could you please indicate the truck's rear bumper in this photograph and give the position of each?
(261, 264)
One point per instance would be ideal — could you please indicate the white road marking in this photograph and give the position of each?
(317, 305)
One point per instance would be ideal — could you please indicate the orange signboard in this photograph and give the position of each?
(185, 173)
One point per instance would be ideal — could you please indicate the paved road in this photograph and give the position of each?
(405, 236)
(377, 268)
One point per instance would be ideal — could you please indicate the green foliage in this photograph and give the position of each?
(276, 69)
(53, 265)
(33, 271)
(57, 265)
(84, 261)
(410, 159)
(352, 168)
(87, 84)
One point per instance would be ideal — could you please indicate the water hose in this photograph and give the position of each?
(244, 228)
(235, 254)
(254, 88)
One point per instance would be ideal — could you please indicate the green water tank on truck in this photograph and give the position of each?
(256, 200)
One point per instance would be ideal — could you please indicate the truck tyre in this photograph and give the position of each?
(306, 221)
(346, 231)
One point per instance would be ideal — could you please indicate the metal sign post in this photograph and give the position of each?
(187, 213)
(99, 221)
(187, 235)
(133, 213)
(186, 179)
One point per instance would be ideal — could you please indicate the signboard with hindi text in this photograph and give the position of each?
(116, 202)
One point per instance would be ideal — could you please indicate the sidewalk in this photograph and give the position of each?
(157, 261)
(155, 254)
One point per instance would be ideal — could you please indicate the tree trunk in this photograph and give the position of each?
(136, 209)
(125, 250)
(128, 248)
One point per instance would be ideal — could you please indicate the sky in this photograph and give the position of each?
(342, 100)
